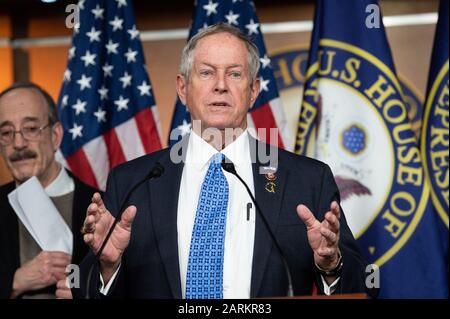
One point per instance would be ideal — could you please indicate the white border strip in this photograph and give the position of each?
(267, 28)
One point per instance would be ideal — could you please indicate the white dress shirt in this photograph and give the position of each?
(61, 185)
(239, 232)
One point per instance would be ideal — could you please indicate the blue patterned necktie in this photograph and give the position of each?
(204, 279)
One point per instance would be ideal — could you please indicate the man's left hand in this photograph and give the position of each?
(323, 236)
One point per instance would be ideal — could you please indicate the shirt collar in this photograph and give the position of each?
(199, 152)
(61, 185)
(238, 152)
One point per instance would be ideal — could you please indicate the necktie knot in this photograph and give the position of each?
(217, 159)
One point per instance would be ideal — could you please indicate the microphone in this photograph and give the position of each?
(229, 167)
(155, 172)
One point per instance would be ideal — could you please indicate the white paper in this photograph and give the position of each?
(40, 217)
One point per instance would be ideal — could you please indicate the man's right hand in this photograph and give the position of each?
(95, 228)
(42, 271)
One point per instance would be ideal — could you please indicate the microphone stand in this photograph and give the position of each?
(156, 172)
(229, 167)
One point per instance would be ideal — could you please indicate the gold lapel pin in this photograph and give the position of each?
(270, 185)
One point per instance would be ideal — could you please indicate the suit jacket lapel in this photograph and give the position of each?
(270, 203)
(164, 193)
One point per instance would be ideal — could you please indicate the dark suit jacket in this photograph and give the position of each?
(9, 232)
(150, 267)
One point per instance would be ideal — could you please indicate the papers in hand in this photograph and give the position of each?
(40, 217)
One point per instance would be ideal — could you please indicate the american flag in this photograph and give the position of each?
(267, 111)
(106, 102)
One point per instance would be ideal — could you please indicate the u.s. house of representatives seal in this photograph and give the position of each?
(354, 118)
(434, 142)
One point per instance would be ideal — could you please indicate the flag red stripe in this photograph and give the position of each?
(148, 130)
(263, 117)
(79, 164)
(115, 152)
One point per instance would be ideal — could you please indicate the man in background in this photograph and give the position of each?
(30, 135)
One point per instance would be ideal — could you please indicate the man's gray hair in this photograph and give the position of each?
(187, 57)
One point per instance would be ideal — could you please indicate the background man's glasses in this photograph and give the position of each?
(29, 133)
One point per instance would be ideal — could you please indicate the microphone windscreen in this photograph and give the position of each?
(229, 167)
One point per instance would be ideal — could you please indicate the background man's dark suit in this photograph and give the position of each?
(150, 266)
(9, 232)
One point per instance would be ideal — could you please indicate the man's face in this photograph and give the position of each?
(26, 108)
(219, 90)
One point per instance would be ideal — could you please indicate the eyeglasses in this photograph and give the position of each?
(30, 132)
